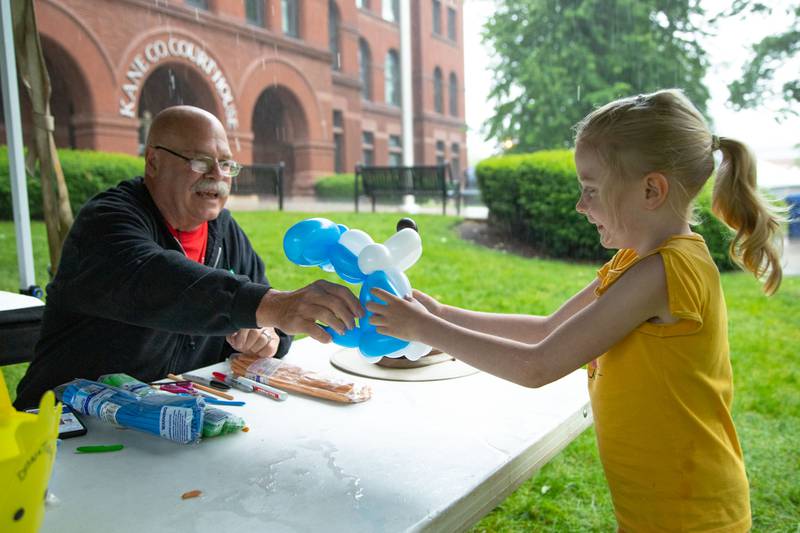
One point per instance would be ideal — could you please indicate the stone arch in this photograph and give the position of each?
(172, 83)
(59, 27)
(279, 128)
(304, 130)
(70, 98)
(261, 75)
(151, 51)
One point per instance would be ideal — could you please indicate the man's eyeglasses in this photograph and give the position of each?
(204, 164)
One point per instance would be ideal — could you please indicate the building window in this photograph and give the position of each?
(395, 151)
(451, 23)
(338, 142)
(437, 17)
(254, 12)
(391, 10)
(438, 97)
(455, 160)
(368, 148)
(453, 94)
(392, 76)
(363, 4)
(198, 3)
(290, 12)
(440, 156)
(365, 69)
(333, 35)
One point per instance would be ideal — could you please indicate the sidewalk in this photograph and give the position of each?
(310, 204)
(791, 257)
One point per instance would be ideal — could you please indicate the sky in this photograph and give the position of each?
(727, 51)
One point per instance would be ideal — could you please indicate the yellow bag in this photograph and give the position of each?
(27, 452)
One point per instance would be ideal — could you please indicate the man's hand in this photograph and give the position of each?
(260, 342)
(298, 311)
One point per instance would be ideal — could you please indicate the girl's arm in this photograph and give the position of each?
(522, 328)
(639, 295)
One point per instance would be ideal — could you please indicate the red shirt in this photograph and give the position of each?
(193, 242)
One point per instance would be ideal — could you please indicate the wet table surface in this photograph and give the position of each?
(432, 455)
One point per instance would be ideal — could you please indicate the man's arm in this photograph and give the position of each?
(298, 311)
(263, 342)
(113, 268)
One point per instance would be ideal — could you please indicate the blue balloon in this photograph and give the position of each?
(373, 344)
(350, 339)
(377, 279)
(346, 264)
(315, 242)
(307, 242)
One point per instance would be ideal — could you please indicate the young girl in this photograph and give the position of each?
(651, 328)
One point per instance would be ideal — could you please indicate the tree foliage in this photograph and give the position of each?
(555, 60)
(771, 55)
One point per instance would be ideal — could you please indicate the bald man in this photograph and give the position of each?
(157, 277)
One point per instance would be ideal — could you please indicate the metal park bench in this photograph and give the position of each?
(433, 181)
(262, 180)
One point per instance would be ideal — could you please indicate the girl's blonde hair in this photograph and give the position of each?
(663, 132)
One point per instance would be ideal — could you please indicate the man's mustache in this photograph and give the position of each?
(208, 185)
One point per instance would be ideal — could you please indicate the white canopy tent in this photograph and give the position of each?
(16, 158)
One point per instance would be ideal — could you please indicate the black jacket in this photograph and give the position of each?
(126, 298)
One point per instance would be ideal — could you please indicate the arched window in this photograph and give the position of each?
(438, 97)
(291, 17)
(333, 35)
(453, 94)
(392, 74)
(365, 69)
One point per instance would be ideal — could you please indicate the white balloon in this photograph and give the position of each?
(374, 257)
(400, 281)
(412, 352)
(355, 240)
(415, 350)
(405, 247)
(371, 359)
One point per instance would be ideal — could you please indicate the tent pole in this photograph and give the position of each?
(16, 158)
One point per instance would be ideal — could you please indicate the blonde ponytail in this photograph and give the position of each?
(737, 202)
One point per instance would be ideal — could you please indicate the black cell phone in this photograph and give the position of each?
(69, 425)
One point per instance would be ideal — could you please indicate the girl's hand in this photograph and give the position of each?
(431, 304)
(260, 342)
(400, 317)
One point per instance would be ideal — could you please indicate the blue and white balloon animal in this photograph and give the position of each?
(356, 258)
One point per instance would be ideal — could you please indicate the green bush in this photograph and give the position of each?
(717, 235)
(336, 187)
(86, 173)
(534, 196)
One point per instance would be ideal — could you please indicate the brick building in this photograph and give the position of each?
(313, 83)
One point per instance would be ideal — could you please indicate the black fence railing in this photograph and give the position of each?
(260, 179)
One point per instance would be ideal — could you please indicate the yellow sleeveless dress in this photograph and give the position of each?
(661, 399)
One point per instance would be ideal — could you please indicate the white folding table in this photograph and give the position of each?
(417, 456)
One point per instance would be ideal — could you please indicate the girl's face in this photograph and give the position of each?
(615, 231)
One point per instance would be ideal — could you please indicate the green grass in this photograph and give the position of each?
(570, 494)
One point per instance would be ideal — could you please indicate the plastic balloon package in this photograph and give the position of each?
(293, 378)
(354, 256)
(215, 421)
(175, 418)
